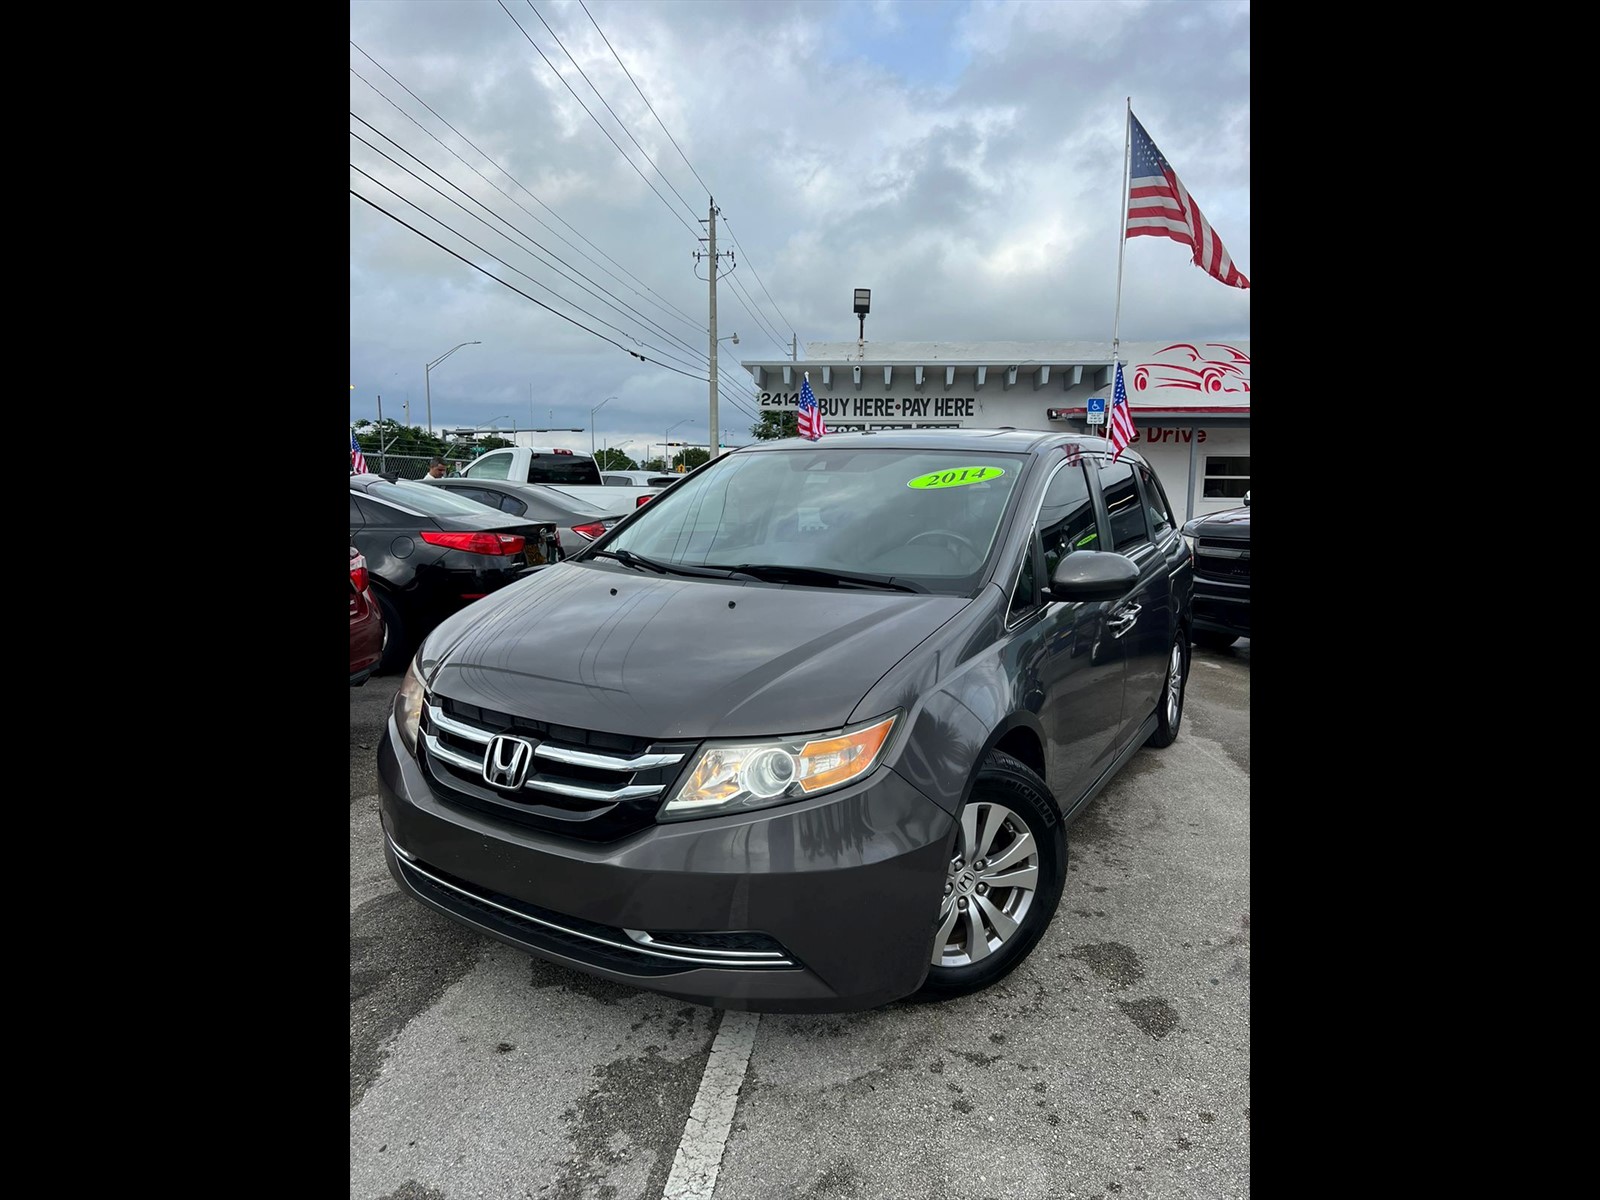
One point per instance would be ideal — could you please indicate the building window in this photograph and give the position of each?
(1227, 476)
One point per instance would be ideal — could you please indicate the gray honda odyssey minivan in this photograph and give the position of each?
(806, 732)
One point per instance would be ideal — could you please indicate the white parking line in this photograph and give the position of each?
(699, 1156)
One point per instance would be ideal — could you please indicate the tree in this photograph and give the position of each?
(691, 458)
(615, 460)
(390, 437)
(776, 425)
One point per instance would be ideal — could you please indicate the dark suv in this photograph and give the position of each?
(1220, 543)
(804, 733)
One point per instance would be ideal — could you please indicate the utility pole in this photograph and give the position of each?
(711, 257)
(794, 346)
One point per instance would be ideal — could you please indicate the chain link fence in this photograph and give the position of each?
(410, 466)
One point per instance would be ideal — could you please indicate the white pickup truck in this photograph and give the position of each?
(575, 474)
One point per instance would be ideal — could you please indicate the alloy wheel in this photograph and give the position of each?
(989, 886)
(1174, 685)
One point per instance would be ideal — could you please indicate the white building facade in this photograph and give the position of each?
(1190, 400)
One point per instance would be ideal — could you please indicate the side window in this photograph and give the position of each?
(510, 504)
(1066, 523)
(495, 465)
(377, 513)
(1155, 503)
(1027, 594)
(356, 519)
(1066, 520)
(1123, 505)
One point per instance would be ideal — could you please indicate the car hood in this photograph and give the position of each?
(1229, 523)
(620, 651)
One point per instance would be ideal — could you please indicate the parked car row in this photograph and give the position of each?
(577, 521)
(428, 554)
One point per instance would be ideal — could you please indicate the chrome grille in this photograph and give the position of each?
(1229, 561)
(589, 783)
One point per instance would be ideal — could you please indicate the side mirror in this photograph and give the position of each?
(1247, 499)
(1092, 575)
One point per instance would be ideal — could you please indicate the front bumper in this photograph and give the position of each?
(1222, 607)
(822, 905)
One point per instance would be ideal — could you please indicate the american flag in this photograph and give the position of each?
(1160, 206)
(358, 460)
(1121, 418)
(809, 419)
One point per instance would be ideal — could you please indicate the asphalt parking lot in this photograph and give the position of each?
(1113, 1063)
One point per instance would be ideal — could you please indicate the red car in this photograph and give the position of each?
(366, 623)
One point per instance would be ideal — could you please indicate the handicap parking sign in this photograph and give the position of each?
(1097, 410)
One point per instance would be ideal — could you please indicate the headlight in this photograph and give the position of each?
(408, 707)
(737, 776)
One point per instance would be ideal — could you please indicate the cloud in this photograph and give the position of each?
(962, 160)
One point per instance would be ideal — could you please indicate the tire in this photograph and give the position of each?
(1010, 810)
(1169, 709)
(1211, 640)
(396, 641)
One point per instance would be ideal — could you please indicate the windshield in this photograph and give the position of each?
(427, 498)
(925, 516)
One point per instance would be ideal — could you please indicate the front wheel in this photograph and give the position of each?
(1003, 882)
(1169, 710)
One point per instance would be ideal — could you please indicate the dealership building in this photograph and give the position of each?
(1190, 400)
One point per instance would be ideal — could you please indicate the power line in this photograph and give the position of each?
(678, 148)
(484, 250)
(742, 296)
(661, 302)
(519, 291)
(616, 302)
(645, 98)
(757, 274)
(611, 110)
(596, 121)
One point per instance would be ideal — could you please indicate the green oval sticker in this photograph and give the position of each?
(954, 477)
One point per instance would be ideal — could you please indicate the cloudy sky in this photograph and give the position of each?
(962, 160)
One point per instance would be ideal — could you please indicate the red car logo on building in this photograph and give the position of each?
(1196, 372)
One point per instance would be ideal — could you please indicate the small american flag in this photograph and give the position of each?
(1121, 418)
(358, 460)
(1160, 206)
(809, 420)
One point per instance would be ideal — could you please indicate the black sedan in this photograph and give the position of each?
(430, 554)
(577, 522)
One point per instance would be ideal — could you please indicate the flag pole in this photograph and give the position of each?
(1122, 243)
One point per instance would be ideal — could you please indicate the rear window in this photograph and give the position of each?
(564, 468)
(429, 498)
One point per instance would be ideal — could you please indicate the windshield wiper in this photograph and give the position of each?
(781, 573)
(639, 562)
(629, 559)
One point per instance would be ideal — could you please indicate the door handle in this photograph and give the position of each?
(1123, 620)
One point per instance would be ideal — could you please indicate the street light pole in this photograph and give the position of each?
(592, 412)
(427, 383)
